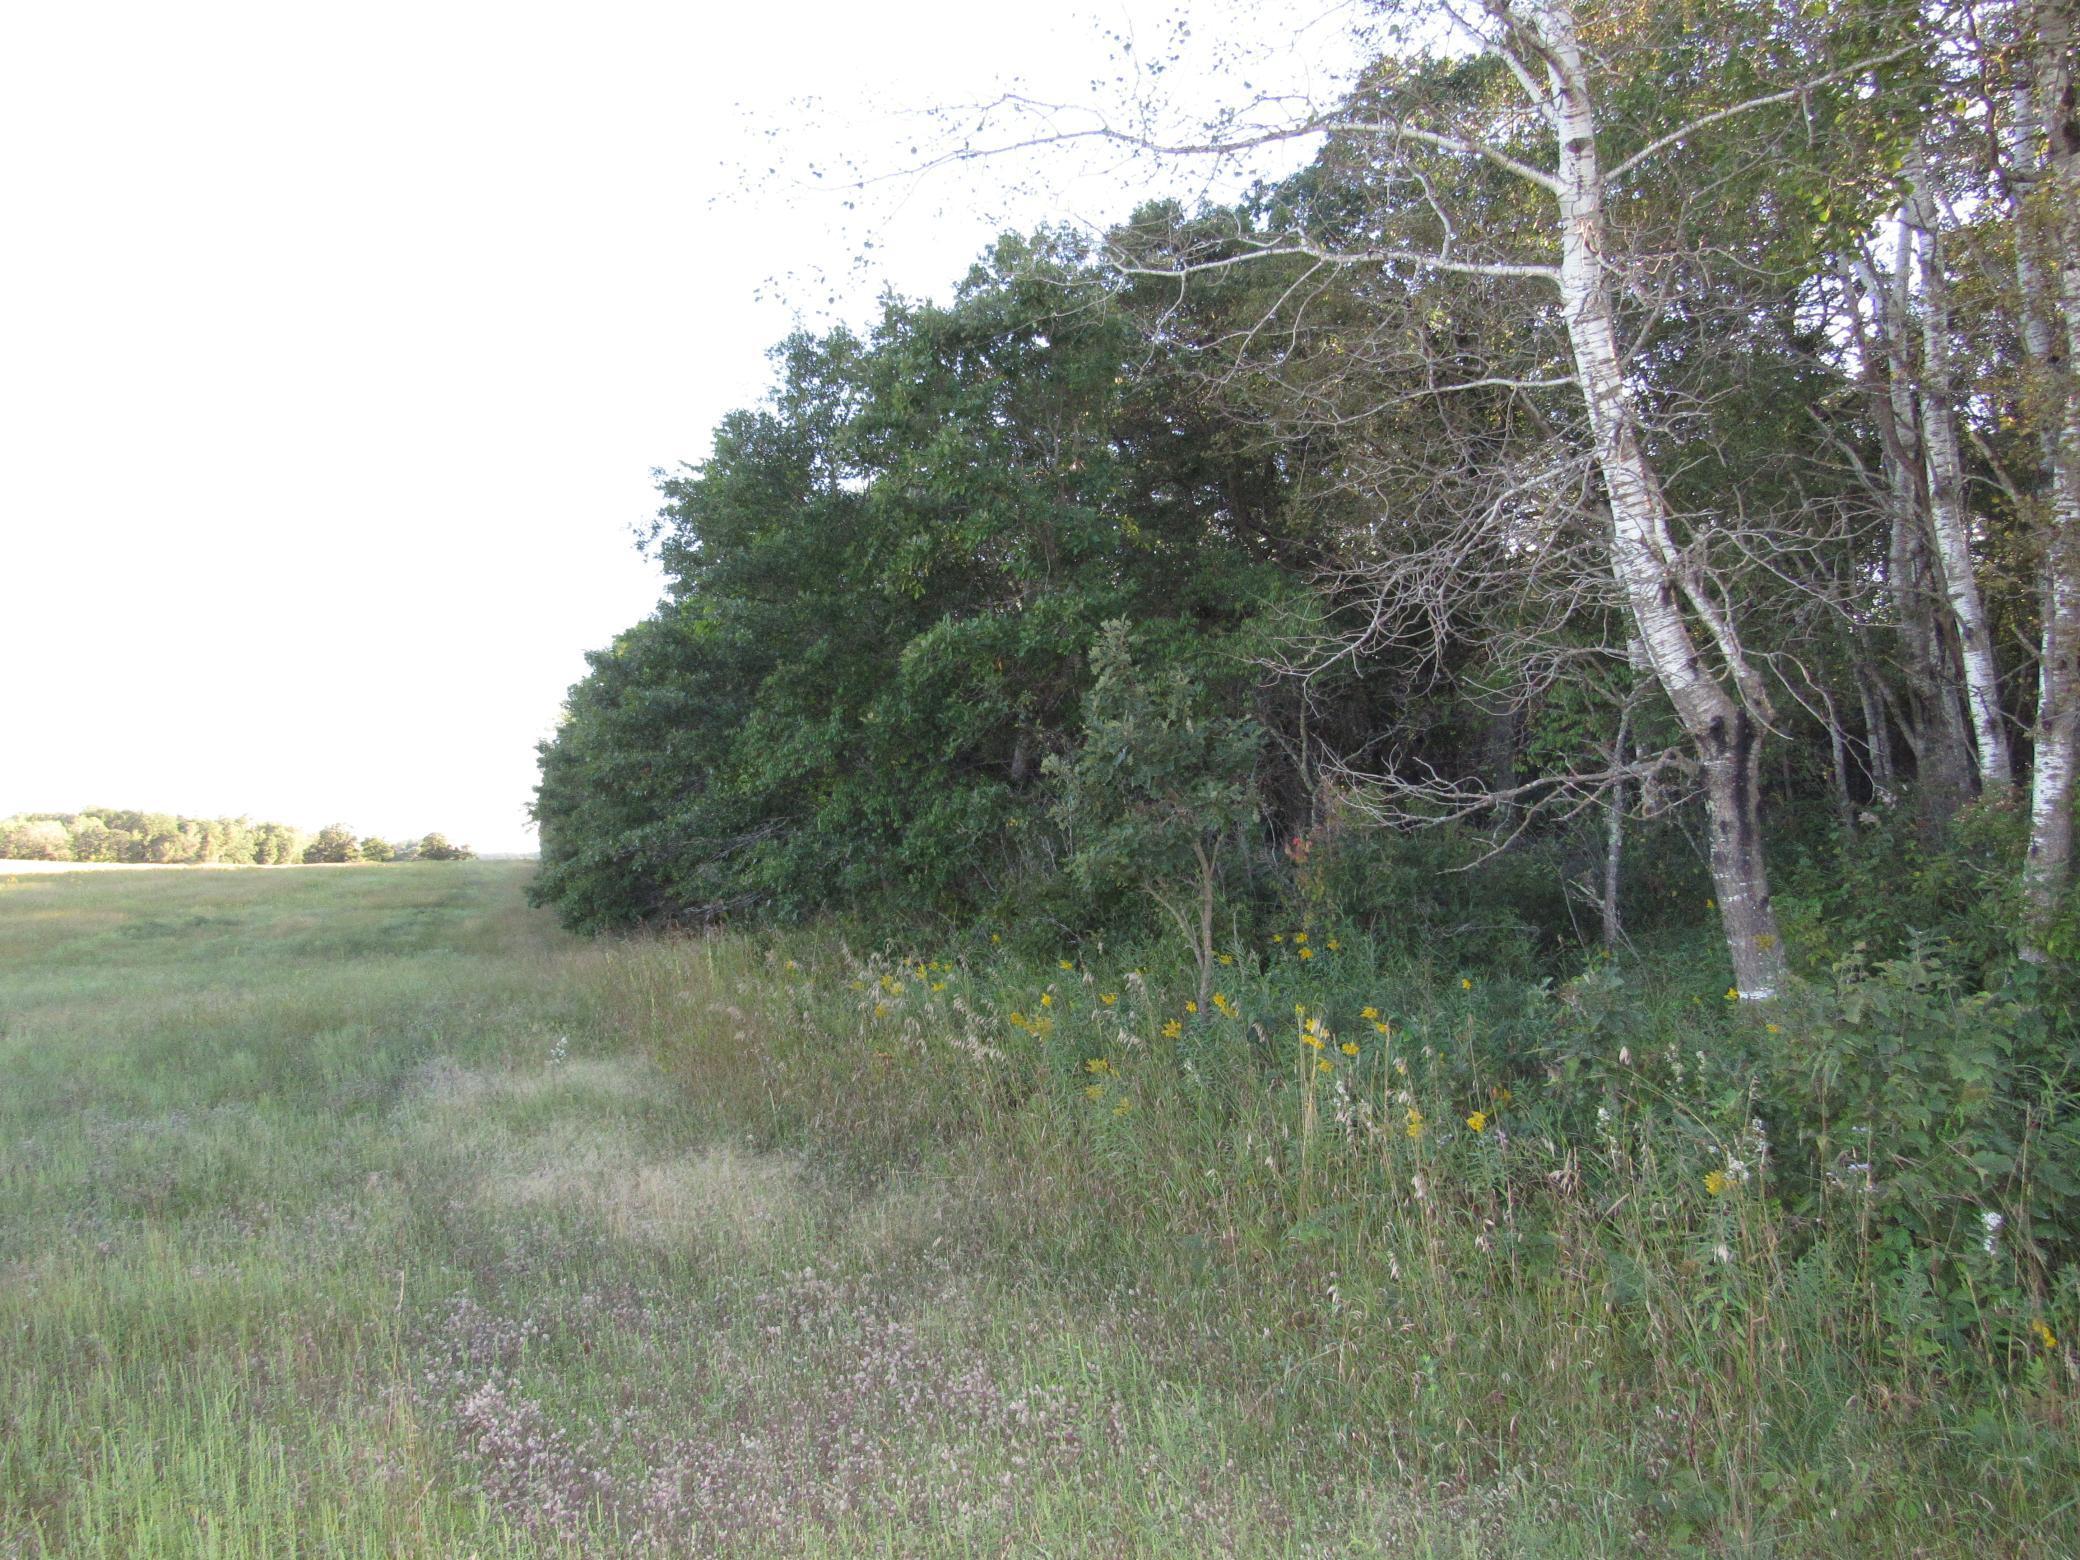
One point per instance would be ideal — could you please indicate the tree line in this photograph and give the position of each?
(1635, 465)
(165, 839)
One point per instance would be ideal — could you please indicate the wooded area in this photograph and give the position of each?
(1632, 425)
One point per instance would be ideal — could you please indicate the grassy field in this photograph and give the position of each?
(362, 1212)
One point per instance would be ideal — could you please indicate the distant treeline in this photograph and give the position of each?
(163, 839)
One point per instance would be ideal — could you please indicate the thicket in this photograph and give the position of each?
(1261, 570)
(164, 839)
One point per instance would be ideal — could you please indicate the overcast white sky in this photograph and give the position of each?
(337, 345)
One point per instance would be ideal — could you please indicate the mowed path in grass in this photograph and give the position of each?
(338, 1216)
(248, 1122)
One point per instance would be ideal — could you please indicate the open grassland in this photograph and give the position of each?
(361, 1212)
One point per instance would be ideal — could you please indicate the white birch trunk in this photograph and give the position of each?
(2046, 194)
(1942, 747)
(1644, 556)
(1946, 495)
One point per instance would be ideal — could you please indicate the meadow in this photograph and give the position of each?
(363, 1212)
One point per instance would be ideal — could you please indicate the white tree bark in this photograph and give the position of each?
(1721, 727)
(2044, 188)
(1946, 493)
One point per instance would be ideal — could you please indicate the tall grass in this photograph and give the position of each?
(361, 1212)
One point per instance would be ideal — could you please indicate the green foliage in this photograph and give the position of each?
(435, 847)
(886, 586)
(335, 843)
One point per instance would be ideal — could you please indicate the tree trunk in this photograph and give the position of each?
(1946, 494)
(1877, 734)
(1940, 737)
(1838, 754)
(2046, 195)
(1656, 581)
(1614, 841)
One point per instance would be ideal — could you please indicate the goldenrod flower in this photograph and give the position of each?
(1278, 936)
(1715, 1182)
(1349, 1048)
(1733, 994)
(1108, 997)
(996, 939)
(938, 985)
(1306, 953)
(1415, 1122)
(1097, 1064)
(1047, 999)
(1478, 1121)
(1068, 964)
(1227, 958)
(1095, 1091)
(1334, 945)
(2045, 1335)
(1193, 1007)
(1773, 1029)
(1500, 1094)
(1172, 1030)
(1323, 1064)
(1122, 1107)
(1299, 938)
(1312, 1040)
(1465, 984)
(881, 1010)
(1368, 1012)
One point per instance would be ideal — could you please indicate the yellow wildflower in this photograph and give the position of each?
(1478, 1121)
(1334, 945)
(2045, 1335)
(1047, 999)
(1368, 1012)
(1349, 1048)
(1068, 964)
(938, 985)
(1172, 1030)
(1299, 938)
(1415, 1122)
(881, 1010)
(1312, 1040)
(1715, 1182)
(1108, 997)
(1278, 936)
(1122, 1107)
(1095, 1091)
(1323, 1064)
(1465, 984)
(1227, 958)
(1773, 1029)
(1193, 1007)
(1500, 1094)
(1733, 993)
(792, 965)
(1306, 953)
(1379, 1028)
(996, 940)
(1097, 1064)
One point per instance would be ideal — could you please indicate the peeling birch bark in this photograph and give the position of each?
(2045, 194)
(1722, 729)
(1946, 494)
